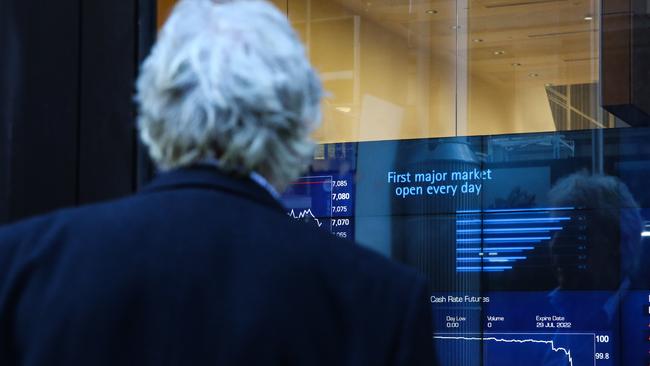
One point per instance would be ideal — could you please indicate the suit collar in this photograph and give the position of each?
(204, 176)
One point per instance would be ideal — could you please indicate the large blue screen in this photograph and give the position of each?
(535, 246)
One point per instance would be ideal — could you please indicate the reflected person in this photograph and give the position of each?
(610, 223)
(204, 267)
(607, 224)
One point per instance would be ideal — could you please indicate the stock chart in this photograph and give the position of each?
(532, 328)
(326, 198)
(515, 280)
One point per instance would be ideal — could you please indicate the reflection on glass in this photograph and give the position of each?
(533, 66)
(413, 69)
(535, 253)
(405, 69)
(536, 247)
(388, 66)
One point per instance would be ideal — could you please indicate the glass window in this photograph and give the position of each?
(390, 68)
(414, 69)
(467, 140)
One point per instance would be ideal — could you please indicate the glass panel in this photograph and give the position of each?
(413, 69)
(533, 66)
(403, 69)
(535, 245)
(389, 67)
(466, 139)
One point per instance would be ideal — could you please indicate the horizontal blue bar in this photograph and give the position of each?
(490, 259)
(468, 240)
(478, 270)
(485, 268)
(493, 249)
(511, 230)
(540, 219)
(532, 239)
(473, 221)
(495, 242)
(499, 260)
(511, 221)
(517, 240)
(519, 209)
(477, 215)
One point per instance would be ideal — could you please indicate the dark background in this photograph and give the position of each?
(67, 127)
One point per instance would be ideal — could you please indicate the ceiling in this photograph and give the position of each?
(537, 42)
(506, 41)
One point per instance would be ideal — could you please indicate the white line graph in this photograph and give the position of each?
(304, 214)
(299, 212)
(554, 348)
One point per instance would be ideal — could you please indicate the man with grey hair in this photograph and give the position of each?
(203, 267)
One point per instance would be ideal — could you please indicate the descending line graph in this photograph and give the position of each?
(324, 200)
(305, 214)
(309, 199)
(531, 328)
(559, 347)
(566, 351)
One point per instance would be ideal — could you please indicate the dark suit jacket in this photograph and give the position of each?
(201, 269)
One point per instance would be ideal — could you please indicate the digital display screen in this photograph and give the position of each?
(326, 199)
(535, 246)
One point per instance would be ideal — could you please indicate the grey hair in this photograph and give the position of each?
(229, 80)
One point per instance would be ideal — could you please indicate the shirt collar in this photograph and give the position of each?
(205, 176)
(254, 176)
(257, 178)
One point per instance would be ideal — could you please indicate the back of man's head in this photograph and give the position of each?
(613, 224)
(229, 80)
